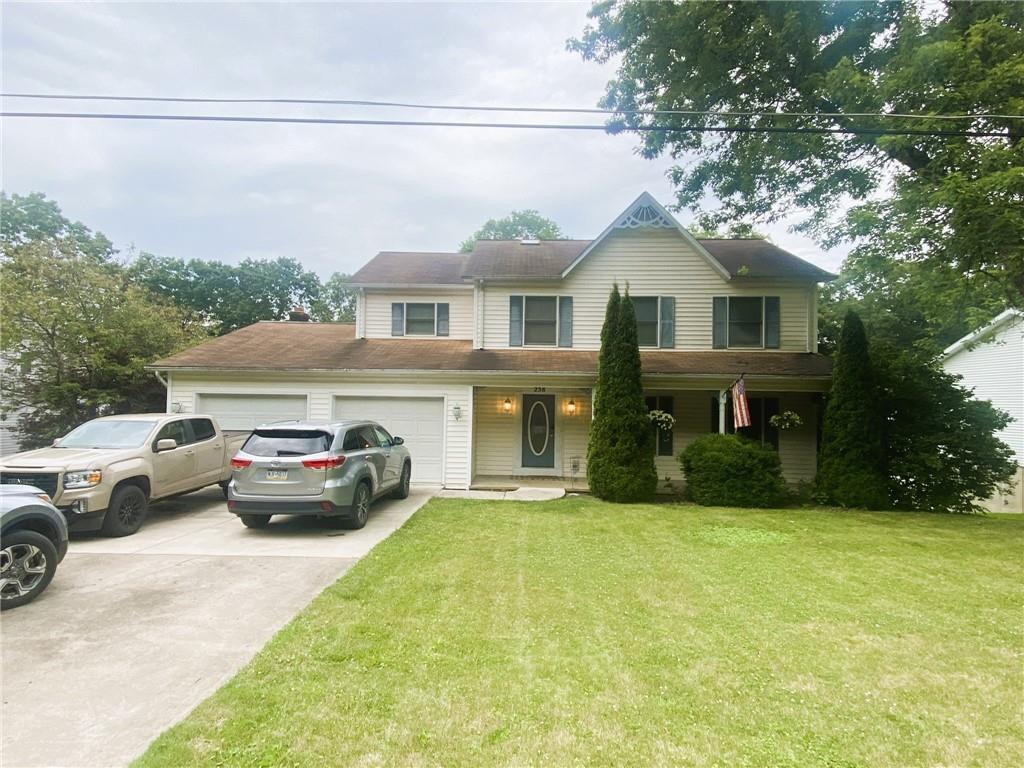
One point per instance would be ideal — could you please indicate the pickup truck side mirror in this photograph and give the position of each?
(166, 444)
(55, 443)
(397, 440)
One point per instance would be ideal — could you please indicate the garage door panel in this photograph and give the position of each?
(418, 421)
(246, 412)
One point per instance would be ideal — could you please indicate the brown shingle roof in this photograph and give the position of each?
(548, 259)
(758, 258)
(509, 259)
(412, 268)
(296, 346)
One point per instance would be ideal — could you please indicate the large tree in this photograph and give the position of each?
(34, 218)
(620, 450)
(228, 297)
(949, 202)
(516, 226)
(79, 334)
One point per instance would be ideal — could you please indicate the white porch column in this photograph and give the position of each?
(722, 395)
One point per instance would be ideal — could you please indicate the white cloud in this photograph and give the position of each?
(329, 195)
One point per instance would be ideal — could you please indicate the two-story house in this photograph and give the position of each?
(485, 362)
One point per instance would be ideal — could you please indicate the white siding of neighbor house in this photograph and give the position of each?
(653, 263)
(995, 371)
(376, 307)
(320, 391)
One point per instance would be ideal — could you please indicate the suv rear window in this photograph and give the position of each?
(287, 442)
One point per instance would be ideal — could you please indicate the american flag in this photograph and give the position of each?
(740, 409)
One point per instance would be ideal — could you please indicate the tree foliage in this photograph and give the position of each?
(337, 300)
(516, 226)
(81, 334)
(227, 297)
(620, 451)
(949, 202)
(851, 467)
(34, 218)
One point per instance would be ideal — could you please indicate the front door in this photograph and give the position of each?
(539, 431)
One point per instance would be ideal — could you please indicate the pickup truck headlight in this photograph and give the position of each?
(84, 479)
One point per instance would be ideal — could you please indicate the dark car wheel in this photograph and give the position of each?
(402, 491)
(127, 510)
(28, 561)
(255, 521)
(360, 508)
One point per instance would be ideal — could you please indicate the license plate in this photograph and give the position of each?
(277, 474)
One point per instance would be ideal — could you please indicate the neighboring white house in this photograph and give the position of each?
(485, 362)
(991, 362)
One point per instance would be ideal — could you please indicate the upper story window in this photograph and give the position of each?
(655, 320)
(750, 322)
(419, 319)
(540, 321)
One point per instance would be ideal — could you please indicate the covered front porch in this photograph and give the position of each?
(536, 436)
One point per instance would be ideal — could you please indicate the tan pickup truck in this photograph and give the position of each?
(104, 473)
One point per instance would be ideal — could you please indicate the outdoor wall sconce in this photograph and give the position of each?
(571, 408)
(507, 406)
(457, 411)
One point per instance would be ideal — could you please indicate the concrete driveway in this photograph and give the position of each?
(133, 633)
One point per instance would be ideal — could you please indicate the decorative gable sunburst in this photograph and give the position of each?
(645, 216)
(647, 213)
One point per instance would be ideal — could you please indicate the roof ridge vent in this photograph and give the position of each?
(529, 241)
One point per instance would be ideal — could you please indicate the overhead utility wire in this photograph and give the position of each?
(541, 126)
(470, 108)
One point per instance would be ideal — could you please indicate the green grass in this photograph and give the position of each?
(581, 633)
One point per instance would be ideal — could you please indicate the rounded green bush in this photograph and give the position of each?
(731, 471)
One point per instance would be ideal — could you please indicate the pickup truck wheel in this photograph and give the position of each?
(224, 489)
(127, 510)
(402, 490)
(255, 521)
(28, 561)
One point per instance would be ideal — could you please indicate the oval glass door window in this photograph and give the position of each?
(539, 421)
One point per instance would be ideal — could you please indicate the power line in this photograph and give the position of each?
(480, 108)
(533, 126)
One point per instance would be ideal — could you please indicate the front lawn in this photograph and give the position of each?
(581, 633)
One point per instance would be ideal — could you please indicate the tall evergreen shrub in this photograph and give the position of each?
(620, 453)
(851, 468)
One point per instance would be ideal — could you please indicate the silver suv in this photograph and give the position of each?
(323, 469)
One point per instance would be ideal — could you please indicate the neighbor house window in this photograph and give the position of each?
(662, 403)
(419, 319)
(544, 321)
(655, 320)
(745, 322)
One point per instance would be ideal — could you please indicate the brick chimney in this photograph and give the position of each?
(298, 314)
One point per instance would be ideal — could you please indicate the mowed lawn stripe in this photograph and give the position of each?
(577, 632)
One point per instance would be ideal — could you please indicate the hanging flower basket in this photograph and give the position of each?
(662, 421)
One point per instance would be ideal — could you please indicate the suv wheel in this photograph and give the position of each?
(402, 490)
(28, 561)
(127, 510)
(255, 521)
(360, 507)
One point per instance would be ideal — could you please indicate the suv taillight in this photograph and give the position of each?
(329, 463)
(237, 463)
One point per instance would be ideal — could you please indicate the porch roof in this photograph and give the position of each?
(302, 346)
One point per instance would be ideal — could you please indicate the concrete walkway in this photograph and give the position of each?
(517, 494)
(133, 633)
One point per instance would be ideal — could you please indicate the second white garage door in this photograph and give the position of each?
(417, 420)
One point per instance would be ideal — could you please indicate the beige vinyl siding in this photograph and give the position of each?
(498, 435)
(653, 263)
(321, 391)
(377, 310)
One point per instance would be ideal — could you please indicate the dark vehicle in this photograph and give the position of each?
(33, 540)
(331, 470)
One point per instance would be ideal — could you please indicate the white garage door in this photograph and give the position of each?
(245, 412)
(418, 421)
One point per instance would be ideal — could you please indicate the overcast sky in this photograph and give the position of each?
(330, 196)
